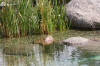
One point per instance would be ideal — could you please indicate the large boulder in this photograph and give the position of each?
(84, 13)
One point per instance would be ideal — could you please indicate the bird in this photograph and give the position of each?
(45, 41)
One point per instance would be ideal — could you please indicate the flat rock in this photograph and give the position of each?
(75, 41)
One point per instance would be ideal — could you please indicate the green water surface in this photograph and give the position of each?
(22, 52)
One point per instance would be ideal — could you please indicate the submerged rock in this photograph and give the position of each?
(75, 41)
(90, 45)
(84, 13)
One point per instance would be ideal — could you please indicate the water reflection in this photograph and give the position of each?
(52, 55)
(69, 56)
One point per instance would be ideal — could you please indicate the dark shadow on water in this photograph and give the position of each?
(84, 29)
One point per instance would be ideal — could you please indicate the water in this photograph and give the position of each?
(22, 52)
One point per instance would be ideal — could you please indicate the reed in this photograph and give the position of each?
(61, 20)
(18, 20)
(45, 12)
(25, 19)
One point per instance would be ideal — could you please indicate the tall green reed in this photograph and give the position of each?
(61, 20)
(18, 20)
(45, 14)
(24, 19)
(52, 15)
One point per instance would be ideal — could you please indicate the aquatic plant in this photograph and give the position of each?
(18, 20)
(23, 18)
(45, 14)
(61, 20)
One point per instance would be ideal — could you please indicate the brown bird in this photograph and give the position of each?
(46, 40)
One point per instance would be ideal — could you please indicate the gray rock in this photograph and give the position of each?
(90, 45)
(84, 13)
(4, 4)
(76, 41)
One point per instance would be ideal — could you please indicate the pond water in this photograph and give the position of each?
(22, 52)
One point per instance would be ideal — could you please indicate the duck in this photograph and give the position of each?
(46, 40)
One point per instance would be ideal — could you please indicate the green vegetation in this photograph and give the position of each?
(25, 19)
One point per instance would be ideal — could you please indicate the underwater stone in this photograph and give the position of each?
(75, 41)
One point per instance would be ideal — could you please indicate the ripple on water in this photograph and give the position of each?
(55, 54)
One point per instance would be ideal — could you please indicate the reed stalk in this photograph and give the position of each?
(23, 18)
